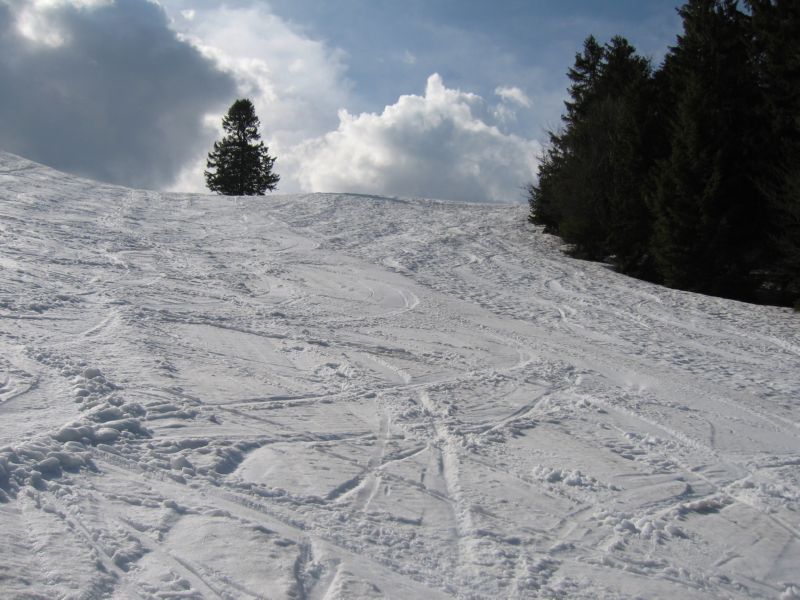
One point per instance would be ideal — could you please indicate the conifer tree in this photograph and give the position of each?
(689, 176)
(554, 180)
(591, 179)
(239, 164)
(776, 48)
(584, 76)
(710, 217)
(629, 136)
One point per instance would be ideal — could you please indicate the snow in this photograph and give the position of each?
(337, 396)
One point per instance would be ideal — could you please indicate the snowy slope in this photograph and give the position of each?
(333, 396)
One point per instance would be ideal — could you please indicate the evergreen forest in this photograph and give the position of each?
(687, 174)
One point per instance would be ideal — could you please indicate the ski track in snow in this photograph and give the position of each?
(337, 396)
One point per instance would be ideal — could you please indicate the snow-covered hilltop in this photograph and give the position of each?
(333, 396)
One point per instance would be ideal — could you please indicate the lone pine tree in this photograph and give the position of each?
(239, 164)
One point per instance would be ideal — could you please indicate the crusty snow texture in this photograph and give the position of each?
(334, 396)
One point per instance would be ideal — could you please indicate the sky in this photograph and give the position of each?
(439, 98)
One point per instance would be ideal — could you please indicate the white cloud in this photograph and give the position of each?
(431, 145)
(513, 94)
(504, 114)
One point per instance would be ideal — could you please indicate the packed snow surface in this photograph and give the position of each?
(338, 396)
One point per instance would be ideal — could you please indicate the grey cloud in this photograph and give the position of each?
(121, 100)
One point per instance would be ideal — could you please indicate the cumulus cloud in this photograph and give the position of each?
(436, 145)
(104, 89)
(511, 99)
(513, 94)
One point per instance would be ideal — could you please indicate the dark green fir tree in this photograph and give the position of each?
(592, 177)
(239, 164)
(710, 217)
(555, 178)
(689, 175)
(776, 41)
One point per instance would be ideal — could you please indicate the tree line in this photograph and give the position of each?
(687, 174)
